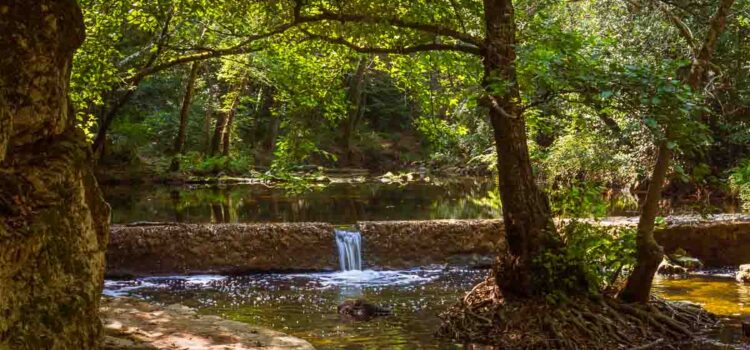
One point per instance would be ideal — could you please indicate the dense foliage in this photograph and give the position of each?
(600, 81)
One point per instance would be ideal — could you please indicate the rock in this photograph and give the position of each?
(361, 310)
(689, 263)
(681, 258)
(746, 327)
(668, 269)
(472, 261)
(743, 275)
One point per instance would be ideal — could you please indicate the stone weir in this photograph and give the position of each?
(167, 248)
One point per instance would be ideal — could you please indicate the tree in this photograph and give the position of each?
(650, 254)
(529, 230)
(179, 144)
(53, 221)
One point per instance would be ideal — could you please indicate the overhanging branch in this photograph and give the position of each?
(396, 22)
(398, 50)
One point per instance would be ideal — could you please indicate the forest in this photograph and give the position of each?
(369, 174)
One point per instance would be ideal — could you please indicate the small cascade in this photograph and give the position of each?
(349, 244)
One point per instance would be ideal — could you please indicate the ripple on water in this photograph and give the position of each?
(304, 305)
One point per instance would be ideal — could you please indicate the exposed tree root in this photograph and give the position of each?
(598, 322)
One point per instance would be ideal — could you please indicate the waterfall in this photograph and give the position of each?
(350, 249)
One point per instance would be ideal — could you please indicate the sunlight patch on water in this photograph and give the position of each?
(719, 294)
(371, 278)
(119, 288)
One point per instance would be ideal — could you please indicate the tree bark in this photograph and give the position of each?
(649, 253)
(529, 229)
(54, 223)
(231, 113)
(355, 95)
(209, 112)
(216, 140)
(179, 143)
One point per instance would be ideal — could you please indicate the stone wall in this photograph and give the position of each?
(404, 244)
(220, 248)
(239, 248)
(716, 244)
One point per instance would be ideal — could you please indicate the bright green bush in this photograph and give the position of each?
(195, 163)
(739, 182)
(595, 257)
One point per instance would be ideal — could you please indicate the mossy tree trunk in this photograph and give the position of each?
(53, 220)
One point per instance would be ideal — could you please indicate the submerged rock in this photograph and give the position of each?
(361, 310)
(743, 275)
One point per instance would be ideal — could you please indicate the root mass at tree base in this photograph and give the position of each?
(594, 322)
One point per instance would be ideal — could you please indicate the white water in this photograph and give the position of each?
(349, 244)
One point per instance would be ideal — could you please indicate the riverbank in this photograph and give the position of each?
(130, 324)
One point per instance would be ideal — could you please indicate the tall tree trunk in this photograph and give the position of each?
(221, 123)
(269, 142)
(649, 253)
(208, 116)
(529, 229)
(231, 113)
(53, 221)
(179, 142)
(355, 95)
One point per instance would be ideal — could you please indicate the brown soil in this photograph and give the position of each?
(130, 324)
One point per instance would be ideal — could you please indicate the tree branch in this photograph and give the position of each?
(398, 50)
(396, 22)
(684, 30)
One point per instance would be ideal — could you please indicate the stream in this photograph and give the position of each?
(304, 305)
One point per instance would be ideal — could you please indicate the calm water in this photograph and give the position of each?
(304, 305)
(341, 203)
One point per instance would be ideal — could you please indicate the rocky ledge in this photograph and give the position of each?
(130, 324)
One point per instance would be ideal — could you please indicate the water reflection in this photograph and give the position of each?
(721, 295)
(336, 203)
(342, 203)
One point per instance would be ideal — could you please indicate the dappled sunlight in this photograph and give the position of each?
(720, 295)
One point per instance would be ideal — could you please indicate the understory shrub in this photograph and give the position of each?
(739, 182)
(604, 254)
(196, 163)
